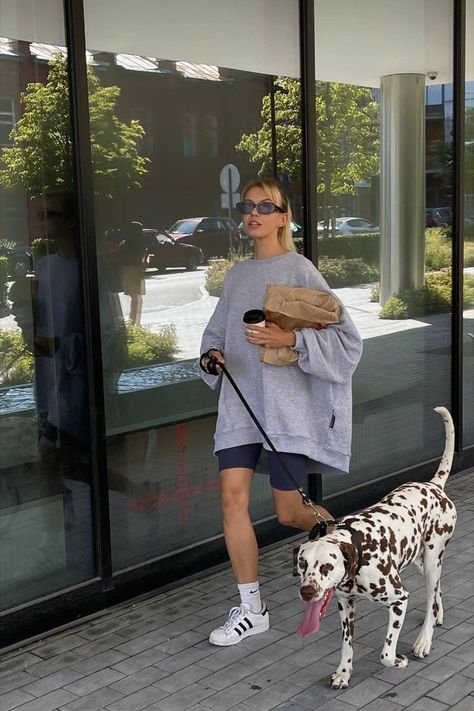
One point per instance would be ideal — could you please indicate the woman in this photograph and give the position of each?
(304, 408)
(132, 253)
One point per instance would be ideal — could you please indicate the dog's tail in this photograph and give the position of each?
(446, 462)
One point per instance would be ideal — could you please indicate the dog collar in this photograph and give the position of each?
(320, 529)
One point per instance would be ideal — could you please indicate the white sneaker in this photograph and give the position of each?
(242, 622)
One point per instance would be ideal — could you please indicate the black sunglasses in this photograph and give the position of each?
(263, 208)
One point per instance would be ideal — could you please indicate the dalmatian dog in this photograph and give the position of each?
(365, 553)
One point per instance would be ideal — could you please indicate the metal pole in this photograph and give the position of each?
(459, 70)
(229, 206)
(308, 128)
(76, 44)
(308, 162)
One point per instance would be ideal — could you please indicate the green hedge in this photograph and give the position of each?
(364, 246)
(347, 272)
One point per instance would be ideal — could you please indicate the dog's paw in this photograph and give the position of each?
(400, 660)
(422, 646)
(339, 680)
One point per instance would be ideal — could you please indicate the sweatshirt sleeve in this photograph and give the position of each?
(214, 337)
(331, 353)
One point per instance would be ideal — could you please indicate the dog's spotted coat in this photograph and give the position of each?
(412, 524)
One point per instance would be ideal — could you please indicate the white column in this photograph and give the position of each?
(402, 203)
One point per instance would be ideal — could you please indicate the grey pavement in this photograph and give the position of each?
(153, 653)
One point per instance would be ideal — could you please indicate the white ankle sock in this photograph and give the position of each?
(250, 594)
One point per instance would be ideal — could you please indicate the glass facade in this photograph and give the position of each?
(182, 113)
(384, 221)
(45, 458)
(468, 235)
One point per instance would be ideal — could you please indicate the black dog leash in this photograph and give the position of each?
(320, 528)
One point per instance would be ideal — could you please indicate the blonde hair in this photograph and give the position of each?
(275, 193)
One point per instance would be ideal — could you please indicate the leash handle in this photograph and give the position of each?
(213, 362)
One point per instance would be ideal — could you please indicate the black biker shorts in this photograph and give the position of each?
(247, 456)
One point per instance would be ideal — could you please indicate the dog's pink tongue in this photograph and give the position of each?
(313, 614)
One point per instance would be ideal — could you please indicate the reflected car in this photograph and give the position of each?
(350, 225)
(20, 261)
(162, 252)
(438, 217)
(215, 236)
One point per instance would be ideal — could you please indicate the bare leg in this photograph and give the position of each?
(291, 510)
(238, 530)
(138, 310)
(133, 309)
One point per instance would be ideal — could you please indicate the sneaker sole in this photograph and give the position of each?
(250, 633)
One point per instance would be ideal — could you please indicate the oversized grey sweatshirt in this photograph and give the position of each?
(304, 408)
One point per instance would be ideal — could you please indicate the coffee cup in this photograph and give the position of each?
(254, 317)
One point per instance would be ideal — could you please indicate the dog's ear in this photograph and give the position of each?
(349, 553)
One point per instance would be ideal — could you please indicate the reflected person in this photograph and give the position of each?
(49, 311)
(132, 253)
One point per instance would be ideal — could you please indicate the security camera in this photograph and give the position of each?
(432, 75)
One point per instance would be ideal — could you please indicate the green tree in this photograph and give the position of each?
(347, 132)
(40, 157)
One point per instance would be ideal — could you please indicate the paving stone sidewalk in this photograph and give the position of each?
(154, 654)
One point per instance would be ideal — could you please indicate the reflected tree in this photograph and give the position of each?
(39, 158)
(347, 147)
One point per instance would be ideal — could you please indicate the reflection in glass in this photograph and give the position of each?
(45, 464)
(468, 321)
(381, 138)
(189, 121)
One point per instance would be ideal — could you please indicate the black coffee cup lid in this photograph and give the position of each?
(254, 316)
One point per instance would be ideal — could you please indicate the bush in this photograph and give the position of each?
(216, 274)
(375, 294)
(468, 254)
(437, 249)
(394, 308)
(3, 281)
(347, 272)
(146, 347)
(16, 362)
(432, 298)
